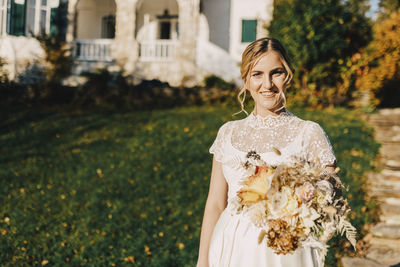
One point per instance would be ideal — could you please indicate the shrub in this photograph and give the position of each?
(211, 81)
(321, 37)
(3, 72)
(378, 72)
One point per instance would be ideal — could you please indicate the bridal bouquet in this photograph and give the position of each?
(296, 205)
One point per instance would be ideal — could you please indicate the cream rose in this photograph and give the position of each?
(283, 203)
(306, 192)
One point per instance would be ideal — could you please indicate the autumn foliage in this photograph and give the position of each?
(380, 61)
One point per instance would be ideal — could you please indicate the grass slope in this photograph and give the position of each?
(106, 187)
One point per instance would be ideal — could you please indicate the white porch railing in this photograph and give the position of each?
(157, 50)
(93, 50)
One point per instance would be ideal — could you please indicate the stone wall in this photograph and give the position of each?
(384, 186)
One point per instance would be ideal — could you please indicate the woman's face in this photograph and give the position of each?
(267, 79)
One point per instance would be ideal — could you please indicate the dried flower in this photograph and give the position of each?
(278, 201)
(256, 186)
(294, 204)
(282, 238)
(283, 204)
(327, 190)
(305, 192)
(277, 151)
(308, 215)
(253, 154)
(256, 213)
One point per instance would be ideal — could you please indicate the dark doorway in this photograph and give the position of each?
(165, 30)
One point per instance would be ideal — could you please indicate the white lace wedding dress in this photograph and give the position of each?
(234, 241)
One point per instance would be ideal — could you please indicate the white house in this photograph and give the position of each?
(177, 41)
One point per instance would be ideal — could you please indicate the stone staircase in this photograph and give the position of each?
(384, 186)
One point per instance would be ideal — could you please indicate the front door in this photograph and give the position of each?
(165, 30)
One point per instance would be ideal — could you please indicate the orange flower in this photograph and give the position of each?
(256, 186)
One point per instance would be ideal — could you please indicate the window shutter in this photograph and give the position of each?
(53, 20)
(17, 20)
(249, 30)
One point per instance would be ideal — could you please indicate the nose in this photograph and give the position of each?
(267, 82)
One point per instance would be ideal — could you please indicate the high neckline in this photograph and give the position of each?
(258, 121)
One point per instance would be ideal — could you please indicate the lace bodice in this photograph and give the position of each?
(285, 132)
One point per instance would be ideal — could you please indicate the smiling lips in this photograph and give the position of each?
(268, 93)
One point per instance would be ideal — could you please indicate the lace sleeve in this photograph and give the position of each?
(217, 147)
(317, 145)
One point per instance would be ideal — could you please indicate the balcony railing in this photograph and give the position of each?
(93, 50)
(157, 50)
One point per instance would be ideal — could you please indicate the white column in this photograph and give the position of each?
(125, 48)
(72, 5)
(125, 19)
(189, 11)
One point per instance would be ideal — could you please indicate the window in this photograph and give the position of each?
(27, 17)
(30, 17)
(38, 16)
(168, 28)
(44, 22)
(108, 27)
(12, 17)
(249, 30)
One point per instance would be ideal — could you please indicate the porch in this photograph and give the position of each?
(150, 39)
(95, 36)
(101, 50)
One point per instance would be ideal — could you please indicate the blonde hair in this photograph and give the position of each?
(250, 57)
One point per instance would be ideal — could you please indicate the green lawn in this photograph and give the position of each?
(108, 187)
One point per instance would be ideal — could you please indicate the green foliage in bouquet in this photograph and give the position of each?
(113, 188)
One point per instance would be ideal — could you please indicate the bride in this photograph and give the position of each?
(228, 238)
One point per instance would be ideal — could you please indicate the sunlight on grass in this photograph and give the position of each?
(111, 187)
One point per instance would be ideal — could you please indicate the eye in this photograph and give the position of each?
(256, 74)
(277, 72)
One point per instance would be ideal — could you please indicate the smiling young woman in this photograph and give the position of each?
(267, 84)
(228, 238)
(266, 67)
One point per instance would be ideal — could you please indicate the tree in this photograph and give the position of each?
(320, 36)
(379, 71)
(387, 7)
